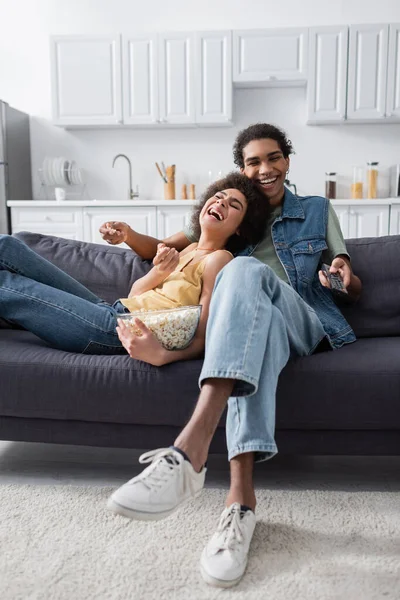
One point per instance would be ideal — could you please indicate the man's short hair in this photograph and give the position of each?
(260, 131)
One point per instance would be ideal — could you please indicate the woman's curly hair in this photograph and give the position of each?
(260, 131)
(252, 228)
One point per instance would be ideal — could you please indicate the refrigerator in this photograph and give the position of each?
(15, 161)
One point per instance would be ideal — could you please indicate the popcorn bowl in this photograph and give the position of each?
(173, 327)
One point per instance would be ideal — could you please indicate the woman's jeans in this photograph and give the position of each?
(256, 323)
(46, 301)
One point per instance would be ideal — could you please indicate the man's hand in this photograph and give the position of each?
(340, 266)
(114, 232)
(144, 347)
(166, 260)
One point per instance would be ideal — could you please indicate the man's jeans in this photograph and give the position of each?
(46, 301)
(256, 323)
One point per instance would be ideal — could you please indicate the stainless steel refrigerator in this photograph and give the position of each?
(15, 161)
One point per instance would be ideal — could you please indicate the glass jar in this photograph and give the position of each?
(395, 181)
(330, 185)
(372, 179)
(357, 185)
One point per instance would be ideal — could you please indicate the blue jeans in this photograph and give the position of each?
(256, 323)
(46, 301)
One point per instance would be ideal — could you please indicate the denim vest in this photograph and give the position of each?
(299, 238)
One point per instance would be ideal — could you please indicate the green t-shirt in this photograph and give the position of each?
(265, 250)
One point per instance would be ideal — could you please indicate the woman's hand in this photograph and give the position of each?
(166, 260)
(114, 232)
(144, 347)
(340, 266)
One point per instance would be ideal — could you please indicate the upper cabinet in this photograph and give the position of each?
(327, 75)
(140, 79)
(267, 57)
(213, 70)
(86, 80)
(393, 86)
(162, 80)
(186, 79)
(176, 78)
(354, 74)
(368, 55)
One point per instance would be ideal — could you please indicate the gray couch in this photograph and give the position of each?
(342, 402)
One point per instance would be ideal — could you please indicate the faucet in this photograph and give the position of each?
(132, 194)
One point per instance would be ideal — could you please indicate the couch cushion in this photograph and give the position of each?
(356, 387)
(107, 271)
(377, 262)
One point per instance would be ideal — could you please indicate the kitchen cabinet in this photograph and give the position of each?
(59, 221)
(176, 78)
(393, 84)
(368, 221)
(395, 219)
(142, 219)
(270, 56)
(363, 218)
(80, 220)
(86, 80)
(171, 219)
(327, 74)
(140, 79)
(368, 52)
(343, 216)
(213, 70)
(171, 79)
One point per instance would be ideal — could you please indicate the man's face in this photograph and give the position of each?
(265, 164)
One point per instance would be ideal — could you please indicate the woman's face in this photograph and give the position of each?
(224, 212)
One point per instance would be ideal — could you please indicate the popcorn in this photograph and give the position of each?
(174, 328)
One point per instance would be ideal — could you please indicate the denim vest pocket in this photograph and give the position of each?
(306, 256)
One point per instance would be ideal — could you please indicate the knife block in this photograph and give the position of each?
(169, 190)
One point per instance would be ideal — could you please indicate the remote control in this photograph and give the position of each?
(335, 280)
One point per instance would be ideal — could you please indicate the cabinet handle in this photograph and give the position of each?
(47, 218)
(119, 121)
(352, 212)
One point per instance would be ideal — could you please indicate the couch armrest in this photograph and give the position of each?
(108, 271)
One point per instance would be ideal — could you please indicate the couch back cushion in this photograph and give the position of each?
(107, 271)
(377, 262)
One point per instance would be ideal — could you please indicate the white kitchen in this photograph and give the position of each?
(175, 88)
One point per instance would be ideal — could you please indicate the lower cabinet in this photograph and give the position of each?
(395, 219)
(357, 219)
(83, 222)
(363, 220)
(142, 219)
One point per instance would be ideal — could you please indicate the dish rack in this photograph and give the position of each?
(59, 172)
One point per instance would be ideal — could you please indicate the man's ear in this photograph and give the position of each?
(242, 170)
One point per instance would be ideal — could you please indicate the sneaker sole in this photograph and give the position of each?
(221, 583)
(138, 515)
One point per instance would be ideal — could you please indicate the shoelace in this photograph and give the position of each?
(165, 462)
(230, 528)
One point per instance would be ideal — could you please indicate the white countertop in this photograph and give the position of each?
(130, 203)
(133, 203)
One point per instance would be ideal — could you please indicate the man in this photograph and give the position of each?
(271, 304)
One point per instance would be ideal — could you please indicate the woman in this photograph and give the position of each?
(48, 302)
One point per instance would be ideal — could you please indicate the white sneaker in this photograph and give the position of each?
(160, 489)
(224, 559)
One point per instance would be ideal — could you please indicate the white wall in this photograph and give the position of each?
(25, 84)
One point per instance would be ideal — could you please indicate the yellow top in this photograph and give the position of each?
(181, 288)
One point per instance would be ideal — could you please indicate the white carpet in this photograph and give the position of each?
(60, 543)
